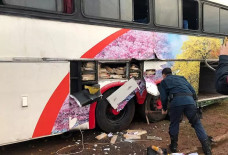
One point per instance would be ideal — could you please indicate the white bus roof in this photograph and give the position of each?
(224, 2)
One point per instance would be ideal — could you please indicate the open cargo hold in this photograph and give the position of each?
(207, 92)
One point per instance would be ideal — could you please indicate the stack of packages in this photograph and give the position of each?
(88, 71)
(134, 71)
(112, 73)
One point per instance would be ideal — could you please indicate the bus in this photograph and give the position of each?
(53, 49)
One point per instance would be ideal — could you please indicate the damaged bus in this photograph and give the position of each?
(53, 50)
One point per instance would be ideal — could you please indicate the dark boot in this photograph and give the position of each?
(173, 145)
(206, 145)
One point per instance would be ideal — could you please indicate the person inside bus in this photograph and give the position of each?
(222, 71)
(178, 96)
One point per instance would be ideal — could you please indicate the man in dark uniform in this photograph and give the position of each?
(180, 93)
(222, 71)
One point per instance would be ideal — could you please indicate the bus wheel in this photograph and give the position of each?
(108, 119)
(152, 108)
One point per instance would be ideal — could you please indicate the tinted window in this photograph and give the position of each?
(166, 12)
(102, 8)
(65, 6)
(127, 10)
(224, 21)
(211, 19)
(190, 14)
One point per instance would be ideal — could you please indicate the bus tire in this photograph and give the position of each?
(109, 121)
(149, 109)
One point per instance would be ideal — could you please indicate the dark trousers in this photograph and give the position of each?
(189, 111)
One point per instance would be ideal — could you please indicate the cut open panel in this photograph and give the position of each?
(207, 92)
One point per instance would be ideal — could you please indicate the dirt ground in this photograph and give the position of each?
(215, 122)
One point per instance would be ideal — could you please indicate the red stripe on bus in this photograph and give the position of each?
(47, 119)
(92, 115)
(101, 45)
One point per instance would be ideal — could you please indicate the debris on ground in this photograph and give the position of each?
(127, 136)
(220, 138)
(101, 136)
(154, 138)
(110, 134)
(136, 132)
(188, 151)
(154, 150)
(107, 149)
(113, 140)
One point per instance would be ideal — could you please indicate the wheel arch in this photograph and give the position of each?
(139, 99)
(93, 106)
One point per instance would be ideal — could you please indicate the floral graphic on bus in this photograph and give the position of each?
(137, 44)
(70, 109)
(146, 45)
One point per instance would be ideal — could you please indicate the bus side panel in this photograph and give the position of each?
(25, 90)
(44, 38)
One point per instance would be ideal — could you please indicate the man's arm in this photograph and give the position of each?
(163, 95)
(222, 71)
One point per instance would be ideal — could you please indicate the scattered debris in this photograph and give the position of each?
(127, 136)
(154, 138)
(113, 140)
(193, 149)
(220, 138)
(107, 149)
(101, 136)
(95, 145)
(136, 132)
(156, 150)
(110, 134)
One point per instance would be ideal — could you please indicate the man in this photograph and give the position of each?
(222, 71)
(180, 93)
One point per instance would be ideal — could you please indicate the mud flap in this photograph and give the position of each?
(87, 96)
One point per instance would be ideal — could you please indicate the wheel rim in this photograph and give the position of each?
(113, 115)
(155, 104)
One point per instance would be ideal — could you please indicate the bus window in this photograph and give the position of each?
(166, 12)
(141, 11)
(62, 6)
(210, 18)
(190, 14)
(126, 10)
(224, 21)
(102, 8)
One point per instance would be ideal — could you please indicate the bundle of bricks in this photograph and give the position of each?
(88, 71)
(112, 73)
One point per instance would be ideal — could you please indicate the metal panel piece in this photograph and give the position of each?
(120, 94)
